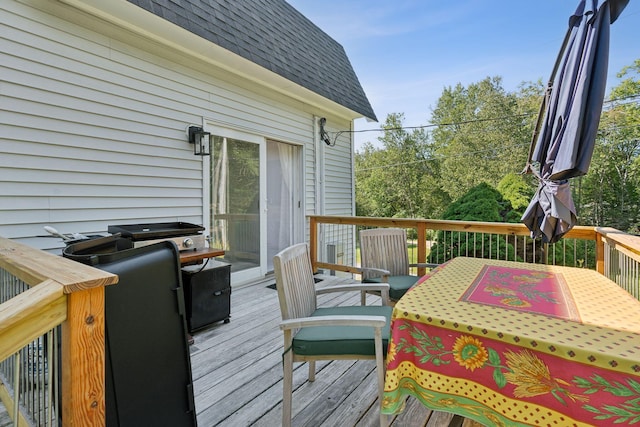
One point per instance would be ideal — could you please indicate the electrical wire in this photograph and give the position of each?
(469, 153)
(430, 125)
(326, 135)
(441, 157)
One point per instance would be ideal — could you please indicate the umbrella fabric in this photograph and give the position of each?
(565, 134)
(552, 211)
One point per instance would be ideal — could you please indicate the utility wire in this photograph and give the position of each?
(440, 157)
(465, 154)
(469, 153)
(430, 125)
(462, 122)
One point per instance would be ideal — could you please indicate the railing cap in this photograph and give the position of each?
(34, 266)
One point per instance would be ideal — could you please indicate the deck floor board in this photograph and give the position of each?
(237, 373)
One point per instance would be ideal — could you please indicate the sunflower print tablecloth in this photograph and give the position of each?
(511, 344)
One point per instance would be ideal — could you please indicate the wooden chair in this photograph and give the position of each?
(384, 258)
(327, 333)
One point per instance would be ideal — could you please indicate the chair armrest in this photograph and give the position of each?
(353, 287)
(377, 271)
(356, 320)
(383, 288)
(424, 265)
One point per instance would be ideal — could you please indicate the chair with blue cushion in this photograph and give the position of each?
(384, 258)
(327, 333)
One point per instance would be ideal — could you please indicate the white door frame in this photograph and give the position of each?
(257, 273)
(250, 274)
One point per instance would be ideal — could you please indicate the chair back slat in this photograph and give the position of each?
(384, 248)
(294, 282)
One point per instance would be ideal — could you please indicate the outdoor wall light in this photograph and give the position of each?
(200, 140)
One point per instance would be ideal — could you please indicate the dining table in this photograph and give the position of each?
(508, 343)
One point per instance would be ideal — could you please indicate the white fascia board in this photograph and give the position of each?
(140, 21)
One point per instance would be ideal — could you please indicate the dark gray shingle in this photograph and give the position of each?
(274, 35)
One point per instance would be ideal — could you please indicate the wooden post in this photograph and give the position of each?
(599, 252)
(313, 243)
(83, 359)
(422, 247)
(83, 334)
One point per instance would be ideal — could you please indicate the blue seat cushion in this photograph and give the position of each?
(398, 285)
(327, 340)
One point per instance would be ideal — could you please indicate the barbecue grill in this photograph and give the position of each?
(185, 235)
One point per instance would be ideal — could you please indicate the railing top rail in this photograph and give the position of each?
(30, 314)
(619, 239)
(34, 266)
(578, 232)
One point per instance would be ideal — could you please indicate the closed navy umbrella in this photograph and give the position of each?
(562, 144)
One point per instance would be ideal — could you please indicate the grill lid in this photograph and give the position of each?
(156, 230)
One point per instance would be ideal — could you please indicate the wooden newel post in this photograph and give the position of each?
(313, 244)
(83, 359)
(600, 252)
(422, 248)
(83, 334)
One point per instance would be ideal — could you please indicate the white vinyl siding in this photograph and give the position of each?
(93, 129)
(338, 172)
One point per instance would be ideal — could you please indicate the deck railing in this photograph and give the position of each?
(334, 245)
(621, 258)
(51, 306)
(47, 301)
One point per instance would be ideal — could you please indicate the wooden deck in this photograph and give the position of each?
(237, 374)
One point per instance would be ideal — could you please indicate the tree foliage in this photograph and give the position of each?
(481, 203)
(481, 133)
(482, 136)
(517, 190)
(610, 193)
(399, 180)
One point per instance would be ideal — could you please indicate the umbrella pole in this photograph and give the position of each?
(536, 131)
(543, 105)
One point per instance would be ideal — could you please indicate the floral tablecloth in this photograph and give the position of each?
(511, 344)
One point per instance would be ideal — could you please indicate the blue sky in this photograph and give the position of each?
(405, 52)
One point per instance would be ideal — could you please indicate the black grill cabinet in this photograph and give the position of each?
(207, 294)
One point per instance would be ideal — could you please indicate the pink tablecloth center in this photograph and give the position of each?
(532, 291)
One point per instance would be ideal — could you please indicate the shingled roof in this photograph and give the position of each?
(274, 35)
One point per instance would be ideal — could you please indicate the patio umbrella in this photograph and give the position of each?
(564, 137)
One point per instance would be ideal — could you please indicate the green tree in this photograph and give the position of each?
(610, 193)
(481, 203)
(517, 190)
(397, 180)
(483, 133)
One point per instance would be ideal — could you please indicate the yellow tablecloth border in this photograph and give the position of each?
(407, 379)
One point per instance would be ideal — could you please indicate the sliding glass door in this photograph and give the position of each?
(235, 201)
(255, 197)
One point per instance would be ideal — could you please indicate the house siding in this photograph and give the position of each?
(339, 174)
(92, 128)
